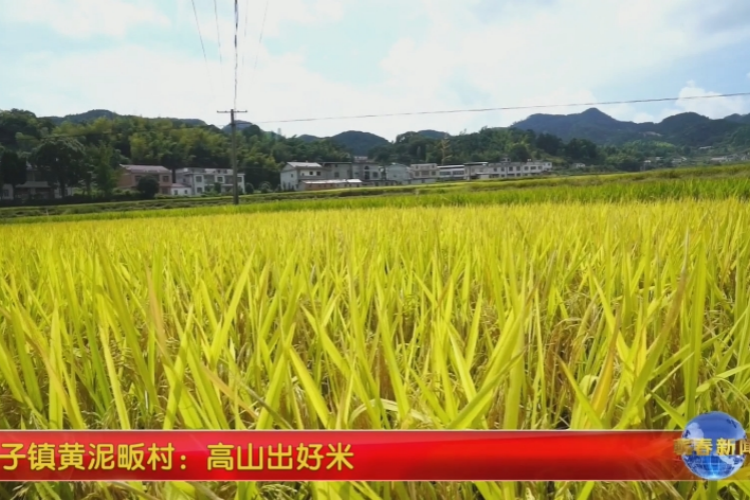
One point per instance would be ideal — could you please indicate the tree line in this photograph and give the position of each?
(497, 144)
(86, 155)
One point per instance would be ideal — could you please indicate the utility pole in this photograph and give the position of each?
(233, 124)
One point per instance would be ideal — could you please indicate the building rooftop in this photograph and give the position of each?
(303, 164)
(146, 169)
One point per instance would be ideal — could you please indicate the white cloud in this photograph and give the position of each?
(715, 107)
(279, 15)
(84, 18)
(486, 53)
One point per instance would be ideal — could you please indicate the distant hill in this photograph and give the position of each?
(95, 114)
(591, 124)
(355, 142)
(684, 129)
(745, 119)
(434, 134)
(242, 125)
(358, 143)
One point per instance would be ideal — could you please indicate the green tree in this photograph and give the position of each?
(445, 151)
(550, 144)
(148, 187)
(104, 160)
(61, 161)
(582, 150)
(519, 151)
(19, 124)
(12, 169)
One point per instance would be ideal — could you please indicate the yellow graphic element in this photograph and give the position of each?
(42, 456)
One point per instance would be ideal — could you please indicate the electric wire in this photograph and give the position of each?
(504, 108)
(218, 31)
(236, 50)
(214, 127)
(203, 49)
(260, 38)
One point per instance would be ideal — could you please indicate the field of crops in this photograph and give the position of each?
(535, 316)
(696, 183)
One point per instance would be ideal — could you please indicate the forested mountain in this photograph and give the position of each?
(684, 129)
(155, 141)
(81, 152)
(434, 134)
(94, 114)
(739, 118)
(353, 141)
(361, 143)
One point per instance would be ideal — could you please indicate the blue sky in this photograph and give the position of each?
(348, 57)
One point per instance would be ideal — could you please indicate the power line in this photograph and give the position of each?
(506, 108)
(260, 38)
(243, 66)
(236, 51)
(203, 49)
(244, 40)
(180, 126)
(218, 31)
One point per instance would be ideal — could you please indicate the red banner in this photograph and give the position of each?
(340, 456)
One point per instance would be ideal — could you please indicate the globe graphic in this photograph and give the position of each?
(715, 425)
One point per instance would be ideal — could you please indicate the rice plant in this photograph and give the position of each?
(562, 315)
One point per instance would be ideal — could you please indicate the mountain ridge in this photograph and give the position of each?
(683, 129)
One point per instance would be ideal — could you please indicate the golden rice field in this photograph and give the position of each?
(620, 315)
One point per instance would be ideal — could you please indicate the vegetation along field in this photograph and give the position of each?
(696, 183)
(627, 313)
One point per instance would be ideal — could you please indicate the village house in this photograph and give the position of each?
(202, 180)
(396, 173)
(299, 176)
(423, 173)
(179, 190)
(131, 174)
(35, 188)
(295, 172)
(506, 169)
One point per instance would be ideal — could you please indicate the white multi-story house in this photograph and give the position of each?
(396, 173)
(294, 172)
(423, 171)
(341, 170)
(202, 180)
(503, 170)
(369, 173)
(430, 172)
(385, 175)
(180, 190)
(451, 172)
(475, 170)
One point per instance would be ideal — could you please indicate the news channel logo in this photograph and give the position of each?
(713, 446)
